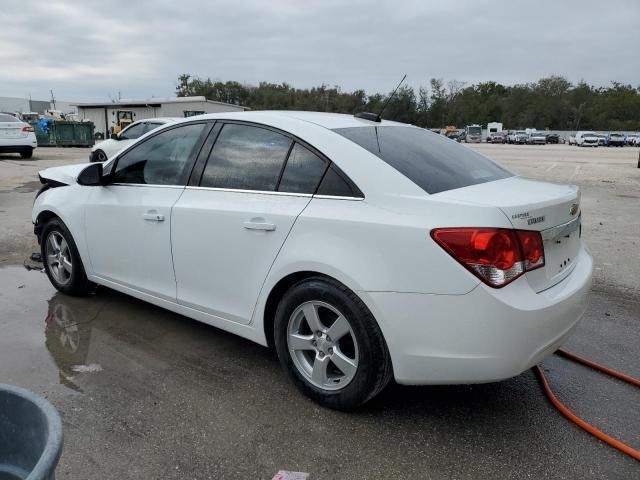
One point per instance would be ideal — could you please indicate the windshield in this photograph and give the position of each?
(475, 130)
(431, 161)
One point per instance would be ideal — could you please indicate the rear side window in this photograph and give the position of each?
(431, 161)
(246, 158)
(337, 184)
(303, 171)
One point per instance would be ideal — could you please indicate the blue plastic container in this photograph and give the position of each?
(30, 435)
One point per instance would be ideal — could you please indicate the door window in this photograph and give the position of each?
(245, 157)
(303, 171)
(161, 160)
(133, 132)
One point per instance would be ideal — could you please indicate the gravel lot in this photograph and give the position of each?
(161, 396)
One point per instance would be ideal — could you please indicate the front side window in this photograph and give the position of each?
(431, 161)
(245, 157)
(303, 171)
(133, 132)
(162, 159)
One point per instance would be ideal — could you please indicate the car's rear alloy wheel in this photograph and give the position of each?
(322, 345)
(330, 345)
(62, 262)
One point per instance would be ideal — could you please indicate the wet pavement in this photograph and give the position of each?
(145, 393)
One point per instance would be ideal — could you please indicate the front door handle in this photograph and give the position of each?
(259, 224)
(153, 216)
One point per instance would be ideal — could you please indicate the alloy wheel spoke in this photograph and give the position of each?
(52, 259)
(311, 315)
(66, 264)
(63, 245)
(339, 329)
(53, 241)
(300, 342)
(345, 364)
(319, 372)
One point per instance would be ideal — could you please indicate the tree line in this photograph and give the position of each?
(550, 103)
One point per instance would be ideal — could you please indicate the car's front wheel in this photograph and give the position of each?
(99, 156)
(330, 345)
(61, 259)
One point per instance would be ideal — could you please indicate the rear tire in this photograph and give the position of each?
(27, 153)
(61, 259)
(342, 372)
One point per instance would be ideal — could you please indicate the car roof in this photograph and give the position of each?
(323, 119)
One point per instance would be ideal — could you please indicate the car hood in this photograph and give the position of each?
(65, 175)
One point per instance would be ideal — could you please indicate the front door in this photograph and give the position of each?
(127, 222)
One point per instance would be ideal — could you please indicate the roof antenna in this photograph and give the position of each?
(377, 117)
(389, 99)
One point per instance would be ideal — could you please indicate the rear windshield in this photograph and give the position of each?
(433, 162)
(7, 118)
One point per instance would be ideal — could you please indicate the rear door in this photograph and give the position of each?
(230, 223)
(128, 222)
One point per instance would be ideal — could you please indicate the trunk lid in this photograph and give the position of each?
(553, 210)
(12, 130)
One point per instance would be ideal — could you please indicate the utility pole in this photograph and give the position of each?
(53, 100)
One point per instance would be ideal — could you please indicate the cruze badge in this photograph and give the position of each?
(574, 209)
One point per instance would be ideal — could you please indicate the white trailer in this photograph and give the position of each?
(493, 127)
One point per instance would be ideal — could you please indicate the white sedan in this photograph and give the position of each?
(16, 136)
(360, 249)
(104, 150)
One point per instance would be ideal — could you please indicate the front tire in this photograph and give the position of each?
(99, 156)
(330, 345)
(61, 259)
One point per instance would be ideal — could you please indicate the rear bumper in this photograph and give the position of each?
(18, 145)
(483, 336)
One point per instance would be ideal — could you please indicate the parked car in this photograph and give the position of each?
(497, 137)
(553, 138)
(518, 136)
(602, 139)
(459, 136)
(615, 140)
(632, 139)
(362, 250)
(104, 150)
(537, 138)
(16, 136)
(587, 139)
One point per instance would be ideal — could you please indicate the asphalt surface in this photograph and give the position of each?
(145, 393)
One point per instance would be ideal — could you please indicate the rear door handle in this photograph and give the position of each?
(153, 216)
(259, 224)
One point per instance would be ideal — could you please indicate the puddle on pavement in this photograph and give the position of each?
(49, 340)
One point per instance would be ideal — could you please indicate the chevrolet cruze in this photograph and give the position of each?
(360, 249)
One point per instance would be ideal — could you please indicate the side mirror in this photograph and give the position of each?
(91, 176)
(114, 136)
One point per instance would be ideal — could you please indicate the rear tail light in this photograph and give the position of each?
(497, 256)
(27, 128)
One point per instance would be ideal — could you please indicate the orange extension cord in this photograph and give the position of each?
(632, 452)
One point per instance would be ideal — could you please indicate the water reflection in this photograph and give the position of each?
(68, 327)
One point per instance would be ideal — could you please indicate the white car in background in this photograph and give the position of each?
(104, 150)
(361, 249)
(587, 139)
(16, 136)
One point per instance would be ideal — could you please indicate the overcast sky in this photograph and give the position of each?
(90, 50)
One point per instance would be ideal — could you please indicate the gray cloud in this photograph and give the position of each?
(92, 49)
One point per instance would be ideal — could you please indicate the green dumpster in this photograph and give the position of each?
(73, 134)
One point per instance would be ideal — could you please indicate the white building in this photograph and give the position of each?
(103, 115)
